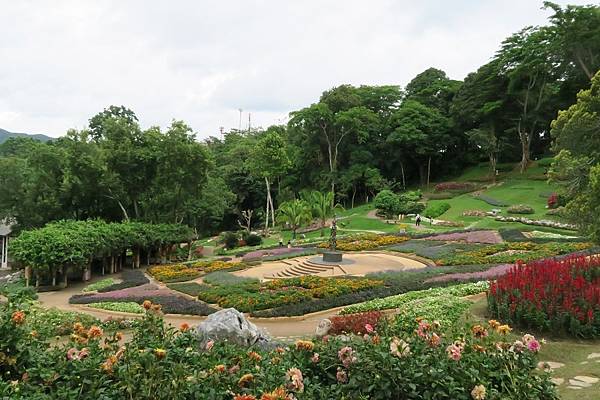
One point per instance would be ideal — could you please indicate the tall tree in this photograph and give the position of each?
(321, 206)
(294, 213)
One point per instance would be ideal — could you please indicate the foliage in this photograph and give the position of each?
(294, 214)
(101, 284)
(229, 239)
(253, 296)
(253, 240)
(322, 206)
(520, 209)
(445, 309)
(454, 187)
(355, 323)
(92, 364)
(222, 278)
(52, 322)
(120, 306)
(190, 288)
(491, 201)
(561, 296)
(403, 300)
(436, 210)
(186, 272)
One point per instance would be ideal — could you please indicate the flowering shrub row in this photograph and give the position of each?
(404, 298)
(253, 296)
(366, 242)
(358, 323)
(551, 295)
(520, 209)
(166, 363)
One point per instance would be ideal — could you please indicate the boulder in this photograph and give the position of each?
(323, 328)
(12, 278)
(232, 326)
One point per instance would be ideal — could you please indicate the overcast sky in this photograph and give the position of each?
(61, 62)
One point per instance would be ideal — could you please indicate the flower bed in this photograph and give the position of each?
(402, 299)
(539, 222)
(421, 363)
(279, 251)
(551, 295)
(454, 186)
(222, 278)
(128, 307)
(51, 322)
(189, 288)
(488, 237)
(366, 242)
(129, 278)
(253, 296)
(445, 309)
(359, 323)
(99, 285)
(491, 273)
(520, 209)
(182, 272)
(491, 201)
(511, 252)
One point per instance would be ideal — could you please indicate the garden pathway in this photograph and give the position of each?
(278, 327)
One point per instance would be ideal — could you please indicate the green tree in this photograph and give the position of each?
(294, 214)
(321, 206)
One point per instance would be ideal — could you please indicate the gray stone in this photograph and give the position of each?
(593, 355)
(576, 382)
(12, 278)
(323, 328)
(332, 256)
(574, 387)
(232, 326)
(557, 381)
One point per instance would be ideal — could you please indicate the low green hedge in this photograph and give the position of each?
(190, 288)
(99, 285)
(128, 307)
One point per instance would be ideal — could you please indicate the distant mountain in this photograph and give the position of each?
(4, 135)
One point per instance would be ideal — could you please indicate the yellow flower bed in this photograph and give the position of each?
(366, 242)
(181, 272)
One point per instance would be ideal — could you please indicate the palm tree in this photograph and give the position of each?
(322, 207)
(294, 213)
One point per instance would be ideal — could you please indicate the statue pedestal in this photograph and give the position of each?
(332, 256)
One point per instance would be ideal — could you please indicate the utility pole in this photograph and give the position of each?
(221, 129)
(249, 121)
(240, 126)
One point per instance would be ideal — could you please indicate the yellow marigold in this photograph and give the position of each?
(245, 380)
(119, 335)
(34, 333)
(160, 353)
(94, 331)
(504, 329)
(147, 304)
(254, 356)
(275, 360)
(478, 392)
(18, 317)
(78, 328)
(306, 345)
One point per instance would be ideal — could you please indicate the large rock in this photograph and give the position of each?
(231, 325)
(12, 278)
(323, 328)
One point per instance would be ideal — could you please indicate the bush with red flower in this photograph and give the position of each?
(562, 296)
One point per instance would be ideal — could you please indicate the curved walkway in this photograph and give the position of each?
(277, 327)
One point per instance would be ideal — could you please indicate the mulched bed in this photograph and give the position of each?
(487, 237)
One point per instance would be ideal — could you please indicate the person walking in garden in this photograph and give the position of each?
(418, 220)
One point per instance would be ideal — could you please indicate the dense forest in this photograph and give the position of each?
(353, 141)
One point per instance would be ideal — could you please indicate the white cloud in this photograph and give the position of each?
(200, 61)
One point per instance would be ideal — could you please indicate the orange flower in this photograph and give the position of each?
(220, 368)
(160, 353)
(245, 380)
(275, 360)
(277, 394)
(119, 335)
(376, 339)
(493, 323)
(94, 332)
(147, 304)
(254, 356)
(78, 328)
(184, 327)
(479, 348)
(18, 317)
(305, 345)
(504, 329)
(156, 307)
(33, 334)
(244, 397)
(479, 331)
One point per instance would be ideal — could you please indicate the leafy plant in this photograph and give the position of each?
(520, 209)
(435, 210)
(121, 306)
(101, 284)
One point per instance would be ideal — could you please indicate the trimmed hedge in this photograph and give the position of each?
(435, 210)
(491, 200)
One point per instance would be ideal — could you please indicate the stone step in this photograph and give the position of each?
(313, 268)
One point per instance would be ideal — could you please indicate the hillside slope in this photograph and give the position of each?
(5, 135)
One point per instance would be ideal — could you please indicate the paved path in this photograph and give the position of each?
(277, 327)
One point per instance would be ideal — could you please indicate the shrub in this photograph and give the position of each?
(173, 273)
(512, 235)
(490, 200)
(99, 285)
(387, 202)
(445, 309)
(130, 278)
(253, 240)
(553, 201)
(562, 296)
(51, 322)
(230, 239)
(520, 209)
(454, 186)
(354, 323)
(128, 307)
(435, 210)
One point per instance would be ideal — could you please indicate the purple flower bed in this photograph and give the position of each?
(488, 237)
(491, 273)
(171, 302)
(271, 252)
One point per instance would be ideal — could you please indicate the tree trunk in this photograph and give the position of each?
(403, 177)
(53, 277)
(353, 195)
(525, 145)
(422, 171)
(493, 166)
(428, 171)
(189, 251)
(65, 275)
